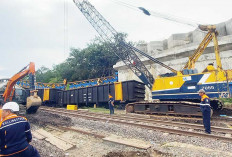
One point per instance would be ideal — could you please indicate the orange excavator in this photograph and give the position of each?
(34, 101)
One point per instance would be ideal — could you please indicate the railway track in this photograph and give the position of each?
(162, 122)
(179, 128)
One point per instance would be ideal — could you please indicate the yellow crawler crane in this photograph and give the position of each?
(176, 94)
(172, 92)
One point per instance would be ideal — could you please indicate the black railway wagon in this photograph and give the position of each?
(133, 91)
(60, 95)
(41, 93)
(123, 92)
(66, 97)
(48, 96)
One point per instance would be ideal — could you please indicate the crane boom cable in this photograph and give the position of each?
(125, 4)
(164, 16)
(159, 14)
(175, 19)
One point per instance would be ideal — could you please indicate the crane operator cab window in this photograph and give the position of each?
(190, 71)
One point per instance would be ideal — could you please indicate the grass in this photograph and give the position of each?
(103, 110)
(227, 102)
(99, 110)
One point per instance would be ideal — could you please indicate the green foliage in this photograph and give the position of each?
(96, 60)
(44, 75)
(226, 100)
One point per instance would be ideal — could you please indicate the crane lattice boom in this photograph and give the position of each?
(125, 51)
(119, 46)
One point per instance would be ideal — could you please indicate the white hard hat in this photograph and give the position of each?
(201, 91)
(11, 106)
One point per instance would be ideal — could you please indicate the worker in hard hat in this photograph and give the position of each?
(1, 104)
(206, 110)
(111, 104)
(15, 133)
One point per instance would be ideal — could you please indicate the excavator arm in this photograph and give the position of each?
(28, 70)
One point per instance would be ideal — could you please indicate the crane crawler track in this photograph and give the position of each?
(178, 108)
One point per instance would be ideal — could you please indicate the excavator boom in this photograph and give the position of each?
(21, 74)
(33, 102)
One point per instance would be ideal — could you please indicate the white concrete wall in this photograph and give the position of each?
(143, 47)
(229, 27)
(154, 46)
(221, 28)
(198, 35)
(177, 40)
(165, 44)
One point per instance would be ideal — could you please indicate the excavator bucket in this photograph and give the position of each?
(33, 103)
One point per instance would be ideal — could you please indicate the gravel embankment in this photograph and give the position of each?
(86, 146)
(160, 140)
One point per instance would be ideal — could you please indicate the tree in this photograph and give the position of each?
(94, 61)
(44, 75)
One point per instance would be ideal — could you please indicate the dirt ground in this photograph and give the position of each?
(43, 119)
(127, 154)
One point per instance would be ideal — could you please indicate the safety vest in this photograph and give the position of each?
(15, 135)
(0, 115)
(205, 100)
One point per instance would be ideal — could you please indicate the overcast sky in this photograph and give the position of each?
(33, 30)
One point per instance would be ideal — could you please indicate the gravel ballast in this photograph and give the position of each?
(158, 139)
(167, 144)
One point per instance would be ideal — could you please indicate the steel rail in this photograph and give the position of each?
(151, 127)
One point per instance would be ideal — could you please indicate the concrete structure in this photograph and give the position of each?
(228, 27)
(155, 46)
(175, 51)
(178, 39)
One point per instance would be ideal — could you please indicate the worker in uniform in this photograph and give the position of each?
(206, 110)
(1, 104)
(65, 83)
(15, 134)
(111, 104)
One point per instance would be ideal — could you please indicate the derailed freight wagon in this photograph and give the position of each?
(123, 93)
